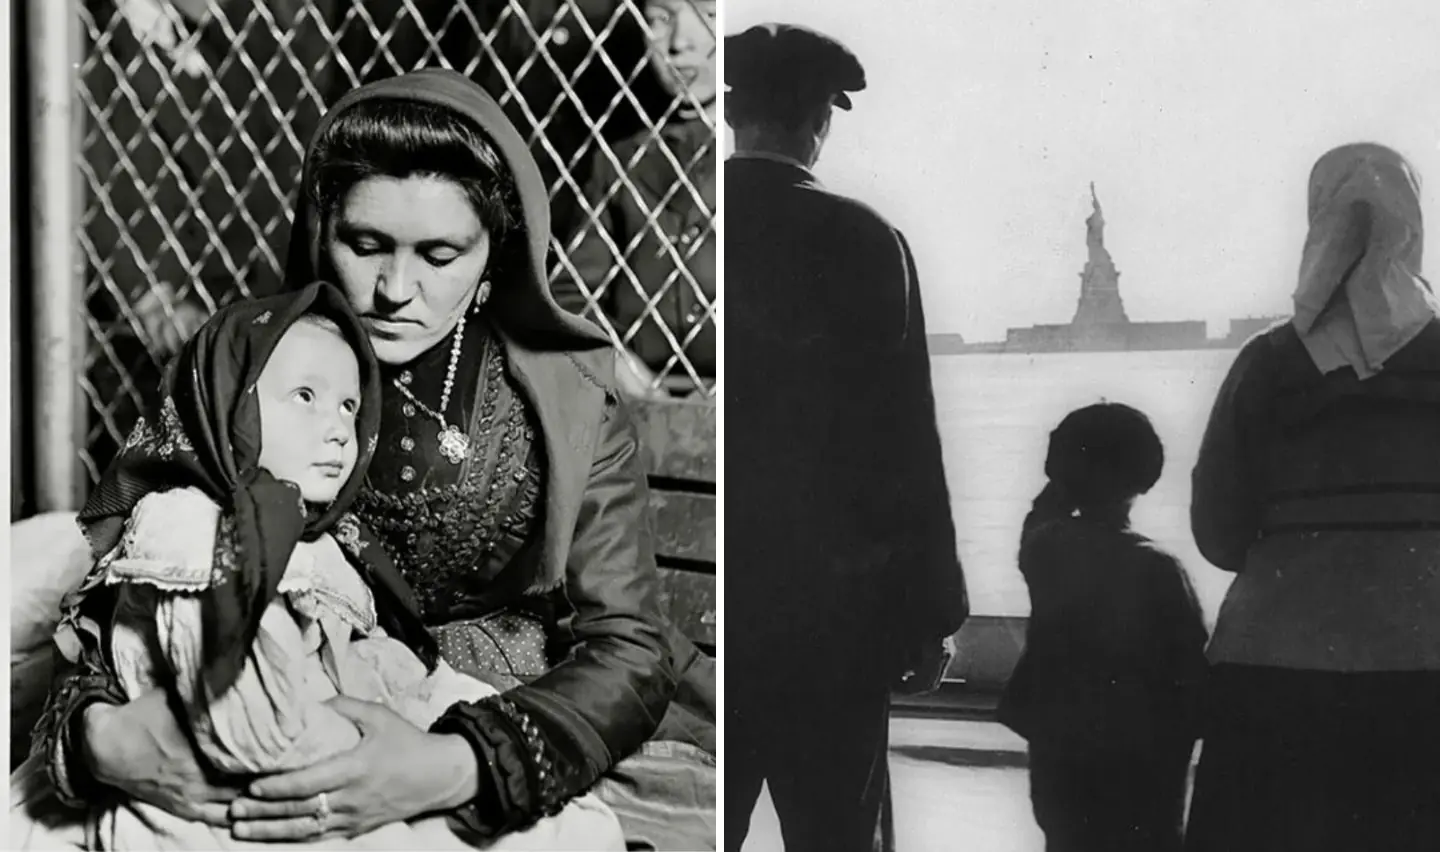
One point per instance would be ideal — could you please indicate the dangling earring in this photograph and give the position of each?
(482, 295)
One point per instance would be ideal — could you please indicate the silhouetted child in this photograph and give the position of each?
(1105, 690)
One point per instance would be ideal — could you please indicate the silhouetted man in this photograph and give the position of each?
(841, 574)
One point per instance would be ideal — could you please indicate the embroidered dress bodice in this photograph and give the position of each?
(458, 532)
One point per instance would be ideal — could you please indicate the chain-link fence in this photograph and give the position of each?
(196, 114)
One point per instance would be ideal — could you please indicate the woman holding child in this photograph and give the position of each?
(507, 488)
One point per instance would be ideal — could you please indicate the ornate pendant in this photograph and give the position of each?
(454, 445)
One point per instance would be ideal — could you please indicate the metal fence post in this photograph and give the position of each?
(53, 52)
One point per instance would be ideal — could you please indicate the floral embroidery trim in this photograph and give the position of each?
(226, 560)
(317, 601)
(138, 433)
(175, 438)
(165, 439)
(321, 579)
(164, 576)
(347, 532)
(169, 542)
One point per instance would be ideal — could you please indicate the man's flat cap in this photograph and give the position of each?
(777, 57)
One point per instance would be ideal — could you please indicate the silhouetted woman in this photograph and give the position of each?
(1318, 484)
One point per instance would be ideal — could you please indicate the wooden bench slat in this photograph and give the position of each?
(684, 525)
(679, 440)
(679, 437)
(688, 599)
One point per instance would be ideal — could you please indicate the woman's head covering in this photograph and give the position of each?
(1361, 297)
(206, 435)
(522, 304)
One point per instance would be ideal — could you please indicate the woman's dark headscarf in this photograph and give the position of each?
(206, 435)
(521, 301)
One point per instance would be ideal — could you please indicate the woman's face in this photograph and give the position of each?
(409, 253)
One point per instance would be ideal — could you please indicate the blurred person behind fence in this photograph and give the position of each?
(843, 580)
(1106, 689)
(1316, 486)
(654, 198)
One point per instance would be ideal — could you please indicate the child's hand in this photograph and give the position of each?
(139, 749)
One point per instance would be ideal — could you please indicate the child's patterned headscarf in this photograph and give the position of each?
(206, 435)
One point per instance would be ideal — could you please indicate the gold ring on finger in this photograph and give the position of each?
(322, 811)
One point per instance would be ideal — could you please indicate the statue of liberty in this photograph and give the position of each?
(1095, 228)
(1100, 301)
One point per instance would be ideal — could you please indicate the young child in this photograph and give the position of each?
(229, 573)
(1114, 656)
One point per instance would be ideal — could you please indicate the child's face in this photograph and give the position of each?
(682, 46)
(309, 395)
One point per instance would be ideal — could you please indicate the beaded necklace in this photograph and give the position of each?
(454, 443)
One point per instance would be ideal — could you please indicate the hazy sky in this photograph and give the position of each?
(984, 123)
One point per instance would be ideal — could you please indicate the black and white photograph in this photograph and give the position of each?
(364, 430)
(1080, 420)
(1076, 484)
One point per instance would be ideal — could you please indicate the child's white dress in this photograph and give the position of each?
(317, 640)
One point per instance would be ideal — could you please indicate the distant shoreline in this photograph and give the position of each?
(1118, 337)
(999, 347)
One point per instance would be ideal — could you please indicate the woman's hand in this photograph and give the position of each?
(140, 749)
(398, 772)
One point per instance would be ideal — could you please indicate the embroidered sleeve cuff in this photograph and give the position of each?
(519, 781)
(60, 730)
